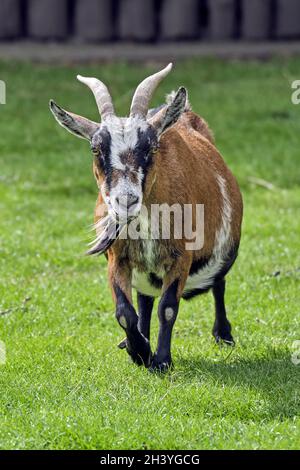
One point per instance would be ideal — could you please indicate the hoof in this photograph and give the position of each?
(222, 334)
(139, 350)
(161, 366)
(228, 340)
(123, 344)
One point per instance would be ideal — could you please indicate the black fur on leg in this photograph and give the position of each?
(145, 306)
(167, 314)
(222, 328)
(137, 346)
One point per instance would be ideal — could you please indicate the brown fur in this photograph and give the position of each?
(184, 172)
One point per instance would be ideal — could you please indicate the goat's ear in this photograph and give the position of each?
(77, 125)
(173, 111)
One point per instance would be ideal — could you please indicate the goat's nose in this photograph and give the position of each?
(132, 199)
(127, 201)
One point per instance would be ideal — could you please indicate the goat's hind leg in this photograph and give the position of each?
(222, 328)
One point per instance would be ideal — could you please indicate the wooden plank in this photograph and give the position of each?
(94, 20)
(10, 19)
(180, 20)
(48, 19)
(288, 18)
(222, 14)
(137, 20)
(256, 19)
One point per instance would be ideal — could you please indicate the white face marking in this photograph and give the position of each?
(124, 137)
(120, 196)
(123, 322)
(204, 277)
(169, 313)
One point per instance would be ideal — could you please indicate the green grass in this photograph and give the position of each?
(65, 384)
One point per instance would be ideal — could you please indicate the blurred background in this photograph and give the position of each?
(149, 20)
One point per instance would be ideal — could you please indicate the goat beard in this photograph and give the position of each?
(111, 230)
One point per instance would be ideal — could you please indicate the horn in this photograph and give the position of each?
(145, 90)
(102, 96)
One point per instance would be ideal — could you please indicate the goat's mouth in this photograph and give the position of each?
(124, 217)
(125, 214)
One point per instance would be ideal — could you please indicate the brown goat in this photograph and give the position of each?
(164, 157)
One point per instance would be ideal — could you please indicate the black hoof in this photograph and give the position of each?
(225, 339)
(161, 366)
(138, 348)
(122, 344)
(222, 333)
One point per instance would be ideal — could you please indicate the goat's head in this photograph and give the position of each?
(123, 148)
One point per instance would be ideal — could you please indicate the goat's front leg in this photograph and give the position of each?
(145, 306)
(167, 314)
(137, 346)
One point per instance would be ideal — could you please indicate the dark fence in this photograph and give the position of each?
(149, 20)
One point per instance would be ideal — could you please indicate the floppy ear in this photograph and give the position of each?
(77, 125)
(172, 113)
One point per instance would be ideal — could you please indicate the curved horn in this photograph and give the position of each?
(145, 90)
(102, 95)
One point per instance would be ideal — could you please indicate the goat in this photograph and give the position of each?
(166, 155)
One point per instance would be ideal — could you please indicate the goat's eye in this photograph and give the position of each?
(95, 151)
(154, 149)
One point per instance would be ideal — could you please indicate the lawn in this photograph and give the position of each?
(65, 383)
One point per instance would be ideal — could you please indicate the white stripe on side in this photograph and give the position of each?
(204, 278)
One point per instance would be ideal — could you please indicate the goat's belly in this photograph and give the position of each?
(147, 283)
(215, 268)
(204, 278)
(151, 283)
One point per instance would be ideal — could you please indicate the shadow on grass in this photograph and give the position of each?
(274, 376)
